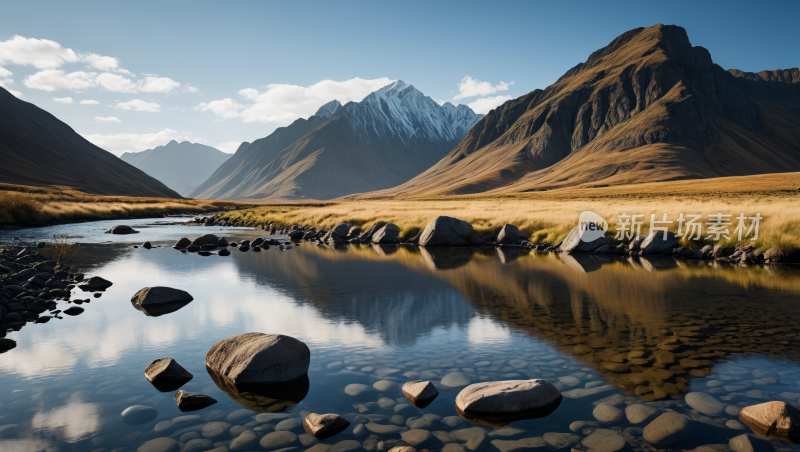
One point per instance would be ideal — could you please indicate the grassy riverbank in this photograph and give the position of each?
(547, 217)
(35, 206)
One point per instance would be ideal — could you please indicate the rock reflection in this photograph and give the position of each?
(649, 325)
(263, 398)
(161, 309)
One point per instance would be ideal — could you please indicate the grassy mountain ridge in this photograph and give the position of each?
(648, 107)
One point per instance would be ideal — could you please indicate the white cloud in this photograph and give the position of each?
(139, 105)
(190, 89)
(41, 53)
(104, 63)
(53, 79)
(135, 142)
(229, 147)
(89, 102)
(158, 85)
(469, 87)
(63, 100)
(484, 105)
(108, 119)
(227, 108)
(282, 104)
(5, 73)
(116, 83)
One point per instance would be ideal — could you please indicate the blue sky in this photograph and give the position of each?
(245, 68)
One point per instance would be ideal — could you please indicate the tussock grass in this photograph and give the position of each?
(24, 205)
(61, 249)
(546, 221)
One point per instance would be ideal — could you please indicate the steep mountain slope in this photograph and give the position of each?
(648, 107)
(180, 166)
(38, 149)
(386, 139)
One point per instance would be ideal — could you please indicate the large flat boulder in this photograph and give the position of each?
(446, 231)
(259, 358)
(583, 239)
(507, 400)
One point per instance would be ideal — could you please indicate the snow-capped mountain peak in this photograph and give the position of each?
(400, 110)
(327, 110)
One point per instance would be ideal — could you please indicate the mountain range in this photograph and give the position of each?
(648, 107)
(180, 166)
(389, 137)
(38, 149)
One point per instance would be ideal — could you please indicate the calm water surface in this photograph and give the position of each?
(597, 328)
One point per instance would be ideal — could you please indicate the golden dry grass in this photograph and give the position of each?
(547, 217)
(61, 248)
(25, 205)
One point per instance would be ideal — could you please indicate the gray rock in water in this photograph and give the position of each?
(779, 419)
(192, 248)
(508, 234)
(96, 283)
(224, 252)
(420, 393)
(192, 401)
(198, 445)
(222, 243)
(638, 413)
(324, 425)
(446, 231)
(166, 374)
(389, 233)
(243, 441)
(73, 311)
(581, 239)
(259, 358)
(503, 400)
(182, 243)
(123, 229)
(147, 245)
(208, 247)
(138, 414)
(604, 440)
(607, 413)
(656, 243)
(277, 440)
(208, 239)
(455, 380)
(669, 428)
(151, 296)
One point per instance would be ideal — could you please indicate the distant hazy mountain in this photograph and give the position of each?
(38, 149)
(648, 107)
(180, 166)
(386, 139)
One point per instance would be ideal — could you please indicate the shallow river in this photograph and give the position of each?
(616, 331)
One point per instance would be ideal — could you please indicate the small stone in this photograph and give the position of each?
(192, 401)
(160, 445)
(638, 413)
(385, 385)
(277, 440)
(455, 380)
(732, 410)
(244, 441)
(604, 440)
(420, 393)
(519, 445)
(214, 430)
(607, 413)
(560, 440)
(167, 371)
(415, 436)
(381, 429)
(324, 425)
(139, 414)
(288, 425)
(669, 428)
(734, 424)
(473, 437)
(356, 389)
(453, 447)
(704, 403)
(198, 445)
